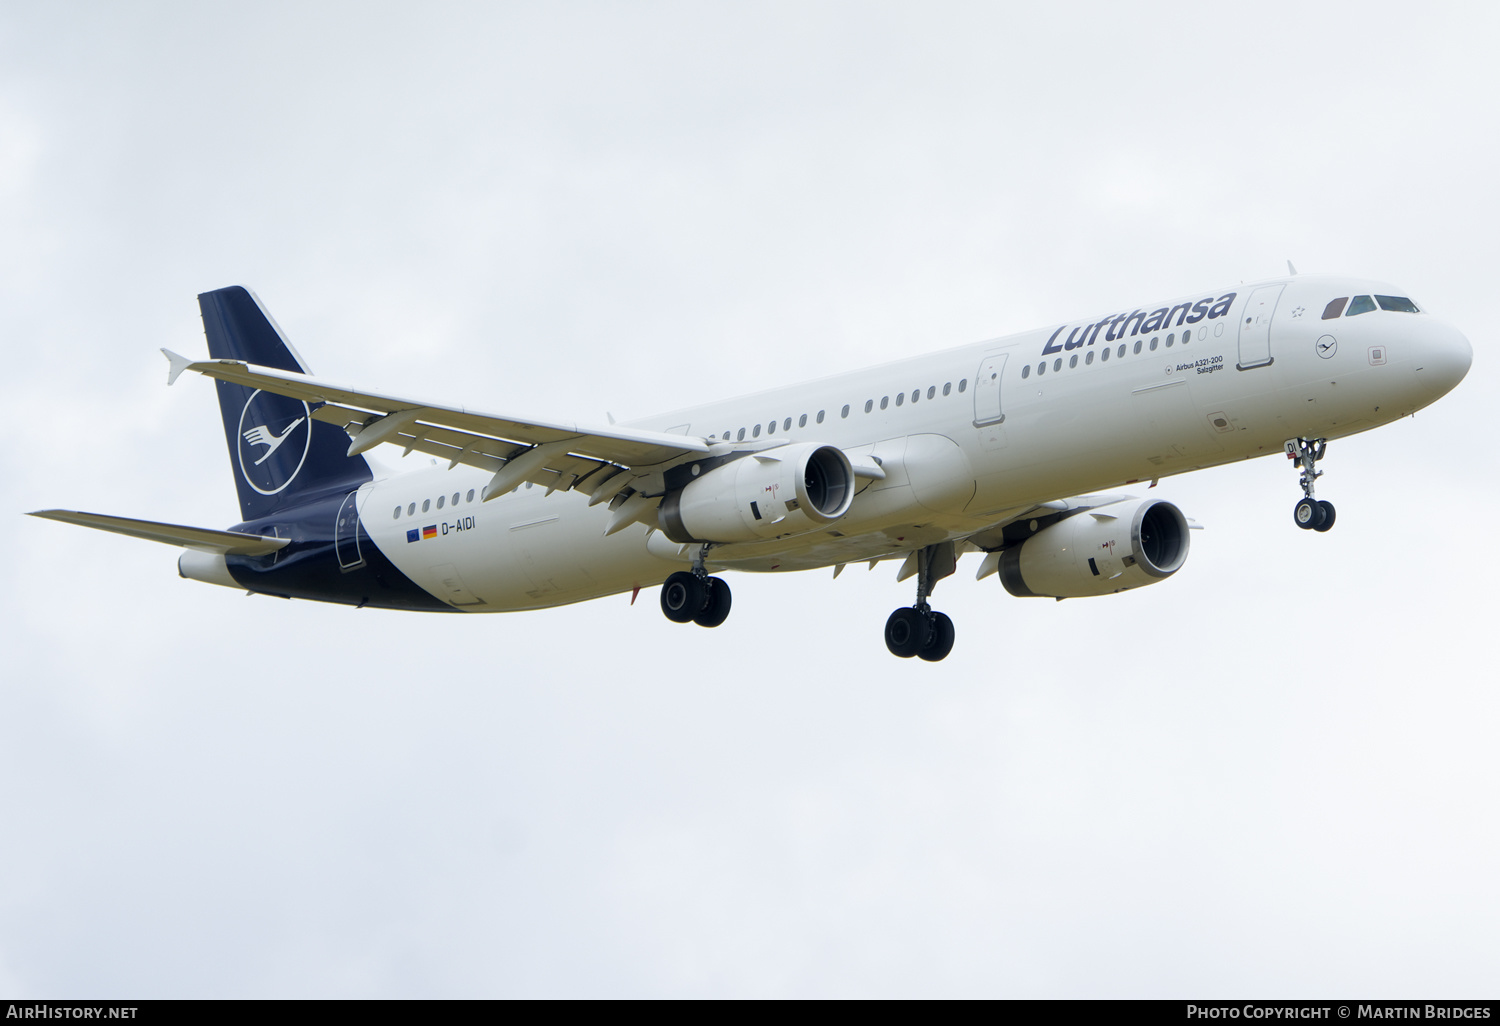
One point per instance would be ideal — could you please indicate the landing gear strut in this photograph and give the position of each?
(1311, 513)
(695, 596)
(919, 630)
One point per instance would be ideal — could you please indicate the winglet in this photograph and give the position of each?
(178, 365)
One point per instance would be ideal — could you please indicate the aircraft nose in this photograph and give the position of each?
(1447, 359)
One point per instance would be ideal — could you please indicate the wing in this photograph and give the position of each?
(601, 460)
(200, 538)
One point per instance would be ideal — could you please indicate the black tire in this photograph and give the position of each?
(1308, 514)
(716, 609)
(905, 632)
(939, 640)
(682, 597)
(1328, 515)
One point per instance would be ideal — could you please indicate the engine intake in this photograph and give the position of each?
(793, 489)
(1100, 551)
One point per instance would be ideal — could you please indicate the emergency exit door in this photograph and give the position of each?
(987, 390)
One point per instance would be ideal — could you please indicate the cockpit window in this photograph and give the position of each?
(1334, 308)
(1398, 303)
(1361, 304)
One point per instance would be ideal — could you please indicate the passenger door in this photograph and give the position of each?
(1255, 327)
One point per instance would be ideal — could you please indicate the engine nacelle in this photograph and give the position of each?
(788, 490)
(1101, 551)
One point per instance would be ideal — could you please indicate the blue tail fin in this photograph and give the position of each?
(280, 456)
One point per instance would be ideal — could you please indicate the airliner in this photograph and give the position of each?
(1013, 450)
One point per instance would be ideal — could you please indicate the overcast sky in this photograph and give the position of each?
(1273, 775)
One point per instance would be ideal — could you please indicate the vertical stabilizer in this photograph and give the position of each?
(279, 455)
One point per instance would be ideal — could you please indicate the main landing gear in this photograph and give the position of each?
(695, 596)
(1310, 513)
(920, 630)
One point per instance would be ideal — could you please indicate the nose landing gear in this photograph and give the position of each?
(919, 630)
(1310, 513)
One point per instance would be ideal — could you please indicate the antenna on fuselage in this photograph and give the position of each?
(1291, 268)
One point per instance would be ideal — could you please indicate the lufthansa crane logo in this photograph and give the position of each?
(275, 435)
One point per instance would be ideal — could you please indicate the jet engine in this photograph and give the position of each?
(793, 489)
(1099, 551)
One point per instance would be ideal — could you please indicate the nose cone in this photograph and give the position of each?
(1446, 358)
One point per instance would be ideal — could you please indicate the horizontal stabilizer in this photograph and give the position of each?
(200, 538)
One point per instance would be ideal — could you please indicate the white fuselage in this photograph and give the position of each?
(966, 438)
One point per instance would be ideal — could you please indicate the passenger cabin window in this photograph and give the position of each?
(1025, 373)
(788, 425)
(1400, 304)
(947, 387)
(1359, 305)
(802, 420)
(1334, 308)
(846, 411)
(470, 496)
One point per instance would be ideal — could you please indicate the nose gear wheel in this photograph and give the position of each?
(1310, 513)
